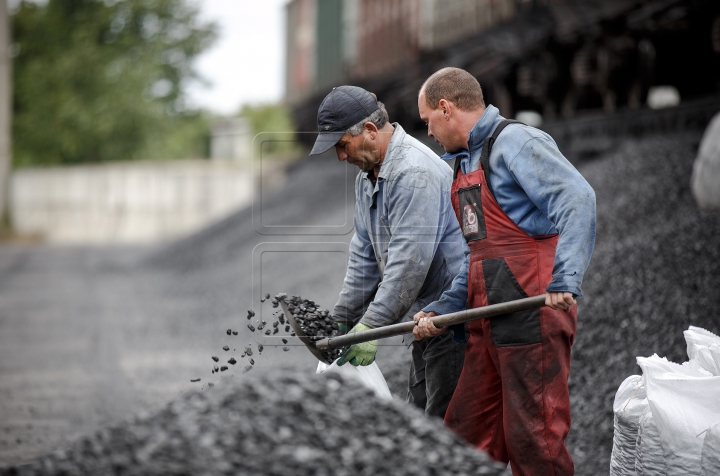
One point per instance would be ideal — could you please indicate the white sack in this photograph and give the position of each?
(703, 346)
(369, 375)
(630, 404)
(705, 181)
(685, 401)
(650, 460)
(710, 460)
(709, 359)
(696, 338)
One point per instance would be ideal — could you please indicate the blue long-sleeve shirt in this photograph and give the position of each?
(541, 191)
(405, 225)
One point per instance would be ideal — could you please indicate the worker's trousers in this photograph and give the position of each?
(434, 372)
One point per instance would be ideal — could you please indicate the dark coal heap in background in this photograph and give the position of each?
(654, 272)
(273, 423)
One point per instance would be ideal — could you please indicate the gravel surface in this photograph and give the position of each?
(91, 335)
(273, 423)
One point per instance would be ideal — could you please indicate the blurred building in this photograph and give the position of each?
(555, 57)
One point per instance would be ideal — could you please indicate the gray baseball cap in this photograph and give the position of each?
(344, 107)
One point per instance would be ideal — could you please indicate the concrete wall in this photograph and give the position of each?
(126, 202)
(231, 139)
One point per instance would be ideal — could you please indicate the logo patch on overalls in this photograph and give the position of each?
(472, 218)
(470, 221)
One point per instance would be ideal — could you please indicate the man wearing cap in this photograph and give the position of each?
(407, 246)
(529, 219)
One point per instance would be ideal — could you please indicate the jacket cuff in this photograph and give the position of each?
(440, 308)
(565, 286)
(376, 320)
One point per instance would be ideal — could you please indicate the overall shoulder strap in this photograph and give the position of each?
(457, 167)
(487, 149)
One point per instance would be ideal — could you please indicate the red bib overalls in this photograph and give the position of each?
(512, 398)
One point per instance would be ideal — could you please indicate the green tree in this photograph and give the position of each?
(274, 121)
(100, 80)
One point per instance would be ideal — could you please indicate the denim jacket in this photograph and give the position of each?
(407, 246)
(540, 190)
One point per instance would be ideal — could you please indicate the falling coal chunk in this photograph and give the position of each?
(229, 332)
(247, 368)
(215, 358)
(251, 327)
(250, 314)
(216, 368)
(226, 348)
(223, 368)
(284, 341)
(195, 380)
(285, 349)
(235, 333)
(260, 348)
(252, 362)
(232, 361)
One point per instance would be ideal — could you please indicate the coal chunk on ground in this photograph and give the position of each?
(272, 423)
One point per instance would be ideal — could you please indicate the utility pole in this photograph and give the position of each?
(5, 113)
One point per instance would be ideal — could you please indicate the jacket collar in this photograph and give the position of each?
(386, 167)
(480, 131)
(397, 138)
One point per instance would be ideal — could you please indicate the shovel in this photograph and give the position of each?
(332, 343)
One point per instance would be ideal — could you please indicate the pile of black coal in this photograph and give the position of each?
(273, 423)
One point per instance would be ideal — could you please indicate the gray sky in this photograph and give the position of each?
(246, 63)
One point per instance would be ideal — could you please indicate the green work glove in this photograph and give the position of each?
(343, 328)
(360, 354)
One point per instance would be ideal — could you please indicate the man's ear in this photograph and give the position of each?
(371, 128)
(446, 107)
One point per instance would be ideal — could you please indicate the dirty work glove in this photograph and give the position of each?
(360, 354)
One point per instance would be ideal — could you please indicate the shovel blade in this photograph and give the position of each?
(301, 334)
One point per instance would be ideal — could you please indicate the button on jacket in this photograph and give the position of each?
(405, 226)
